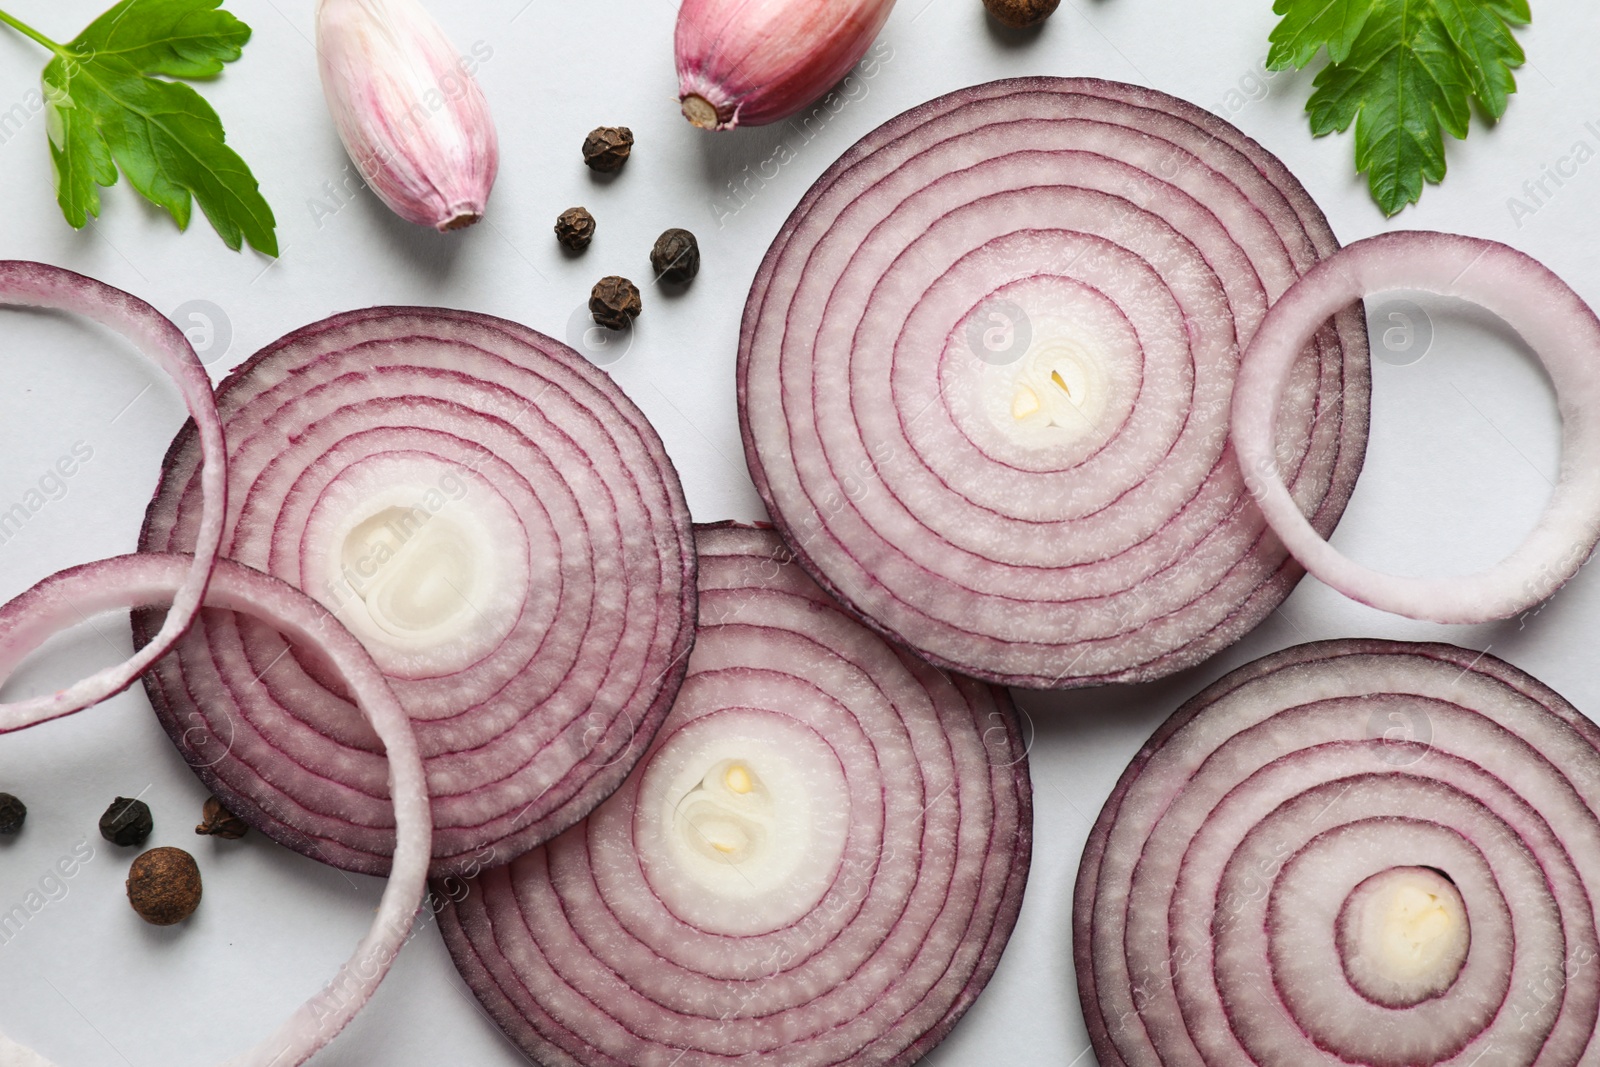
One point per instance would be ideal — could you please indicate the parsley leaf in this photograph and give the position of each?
(1404, 71)
(106, 108)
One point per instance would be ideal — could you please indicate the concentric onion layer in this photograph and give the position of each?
(1350, 852)
(499, 525)
(873, 817)
(985, 374)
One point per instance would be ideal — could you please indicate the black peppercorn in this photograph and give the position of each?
(614, 302)
(12, 814)
(676, 256)
(164, 886)
(606, 148)
(1020, 14)
(126, 822)
(218, 821)
(575, 228)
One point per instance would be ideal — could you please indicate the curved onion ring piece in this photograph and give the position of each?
(1350, 852)
(1555, 322)
(40, 285)
(124, 582)
(498, 524)
(818, 861)
(985, 373)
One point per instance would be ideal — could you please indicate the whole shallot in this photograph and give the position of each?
(751, 62)
(409, 112)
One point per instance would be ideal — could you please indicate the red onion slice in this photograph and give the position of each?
(818, 861)
(502, 529)
(40, 285)
(1350, 852)
(1065, 511)
(1543, 309)
(69, 597)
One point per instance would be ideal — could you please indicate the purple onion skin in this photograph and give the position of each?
(345, 838)
(1422, 738)
(502, 965)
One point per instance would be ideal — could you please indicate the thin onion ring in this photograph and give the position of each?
(28, 284)
(143, 579)
(1543, 309)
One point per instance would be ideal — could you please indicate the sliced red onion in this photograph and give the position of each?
(72, 596)
(1350, 852)
(1543, 309)
(498, 524)
(818, 861)
(1063, 510)
(27, 284)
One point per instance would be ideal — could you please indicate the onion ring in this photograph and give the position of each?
(40, 285)
(1553, 319)
(139, 580)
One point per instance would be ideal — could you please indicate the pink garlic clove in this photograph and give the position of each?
(751, 62)
(408, 109)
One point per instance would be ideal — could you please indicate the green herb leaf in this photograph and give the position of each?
(178, 38)
(1404, 71)
(107, 109)
(1307, 27)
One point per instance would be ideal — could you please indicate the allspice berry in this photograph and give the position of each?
(614, 302)
(13, 813)
(164, 886)
(606, 148)
(676, 257)
(1020, 14)
(127, 822)
(218, 821)
(575, 228)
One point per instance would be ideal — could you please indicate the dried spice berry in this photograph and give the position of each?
(614, 302)
(218, 821)
(606, 148)
(575, 228)
(164, 886)
(126, 822)
(1020, 14)
(12, 814)
(676, 256)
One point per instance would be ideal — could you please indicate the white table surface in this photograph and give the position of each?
(1465, 444)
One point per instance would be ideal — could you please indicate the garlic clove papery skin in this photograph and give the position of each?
(751, 62)
(408, 110)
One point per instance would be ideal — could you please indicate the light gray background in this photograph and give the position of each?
(1464, 446)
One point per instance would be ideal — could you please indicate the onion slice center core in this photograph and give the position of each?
(1403, 936)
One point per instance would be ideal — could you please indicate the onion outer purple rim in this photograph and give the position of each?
(28, 284)
(1543, 309)
(141, 579)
